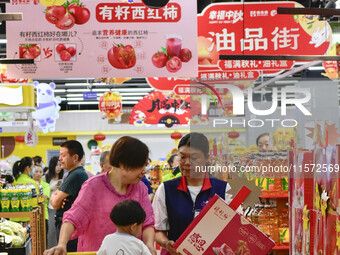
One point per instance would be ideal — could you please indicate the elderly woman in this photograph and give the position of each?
(177, 202)
(89, 217)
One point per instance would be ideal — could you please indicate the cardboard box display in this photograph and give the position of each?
(218, 229)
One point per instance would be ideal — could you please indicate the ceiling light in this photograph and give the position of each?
(135, 89)
(83, 102)
(101, 90)
(59, 90)
(74, 95)
(93, 102)
(316, 68)
(132, 98)
(77, 84)
(286, 82)
(78, 90)
(133, 94)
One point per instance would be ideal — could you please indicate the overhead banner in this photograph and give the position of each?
(255, 29)
(103, 39)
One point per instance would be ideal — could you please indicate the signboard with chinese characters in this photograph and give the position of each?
(158, 108)
(103, 39)
(264, 33)
(218, 229)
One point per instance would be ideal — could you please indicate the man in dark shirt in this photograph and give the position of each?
(71, 153)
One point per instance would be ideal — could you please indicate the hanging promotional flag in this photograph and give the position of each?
(264, 33)
(110, 105)
(106, 38)
(157, 108)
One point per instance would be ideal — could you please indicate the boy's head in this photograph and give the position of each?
(128, 216)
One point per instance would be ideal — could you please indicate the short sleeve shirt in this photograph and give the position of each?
(71, 186)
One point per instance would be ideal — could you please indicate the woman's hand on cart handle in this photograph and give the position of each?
(56, 250)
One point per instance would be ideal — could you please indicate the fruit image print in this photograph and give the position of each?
(65, 52)
(30, 51)
(67, 15)
(173, 55)
(122, 56)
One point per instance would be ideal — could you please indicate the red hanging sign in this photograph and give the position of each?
(156, 108)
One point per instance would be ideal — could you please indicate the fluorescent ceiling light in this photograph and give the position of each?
(134, 89)
(78, 90)
(132, 98)
(77, 84)
(82, 102)
(59, 90)
(3, 41)
(316, 68)
(101, 90)
(133, 94)
(286, 82)
(93, 102)
(74, 95)
(73, 99)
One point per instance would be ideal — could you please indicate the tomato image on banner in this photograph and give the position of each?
(29, 51)
(157, 108)
(173, 55)
(65, 16)
(122, 57)
(65, 52)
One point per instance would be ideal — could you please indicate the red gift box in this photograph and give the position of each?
(220, 230)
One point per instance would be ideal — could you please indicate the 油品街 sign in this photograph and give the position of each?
(256, 29)
(105, 38)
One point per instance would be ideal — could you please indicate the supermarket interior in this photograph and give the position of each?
(197, 127)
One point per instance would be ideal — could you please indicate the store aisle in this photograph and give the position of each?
(51, 237)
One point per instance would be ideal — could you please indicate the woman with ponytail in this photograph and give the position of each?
(21, 170)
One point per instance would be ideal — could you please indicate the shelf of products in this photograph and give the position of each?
(38, 230)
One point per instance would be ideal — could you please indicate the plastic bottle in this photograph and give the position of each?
(284, 226)
(25, 200)
(278, 186)
(41, 195)
(273, 224)
(254, 216)
(34, 196)
(5, 200)
(261, 219)
(15, 200)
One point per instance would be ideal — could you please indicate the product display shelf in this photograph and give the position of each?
(38, 230)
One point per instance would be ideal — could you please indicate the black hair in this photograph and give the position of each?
(129, 152)
(197, 141)
(74, 147)
(259, 137)
(127, 213)
(51, 170)
(20, 165)
(171, 159)
(45, 169)
(37, 160)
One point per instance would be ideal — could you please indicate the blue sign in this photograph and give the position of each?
(0, 129)
(90, 95)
